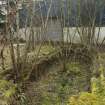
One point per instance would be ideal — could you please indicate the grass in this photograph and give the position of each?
(44, 51)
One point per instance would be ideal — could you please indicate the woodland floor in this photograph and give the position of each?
(57, 86)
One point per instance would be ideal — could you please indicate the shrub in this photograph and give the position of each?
(7, 90)
(96, 97)
(84, 99)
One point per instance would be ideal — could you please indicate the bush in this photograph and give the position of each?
(84, 99)
(7, 91)
(96, 97)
